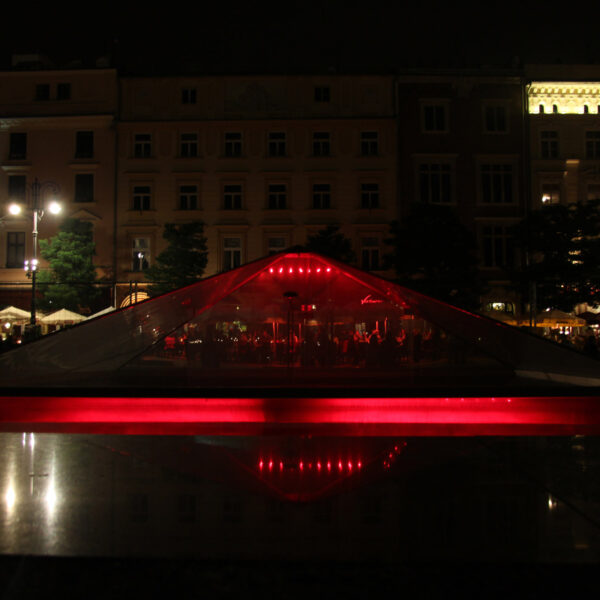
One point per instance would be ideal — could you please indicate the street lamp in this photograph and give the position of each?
(37, 209)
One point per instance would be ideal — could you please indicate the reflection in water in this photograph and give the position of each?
(533, 499)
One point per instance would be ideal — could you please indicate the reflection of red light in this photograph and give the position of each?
(340, 466)
(328, 466)
(350, 465)
(260, 465)
(359, 464)
(280, 465)
(301, 466)
(319, 466)
(270, 465)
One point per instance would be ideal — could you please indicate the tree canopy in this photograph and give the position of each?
(183, 261)
(69, 283)
(433, 253)
(332, 243)
(561, 247)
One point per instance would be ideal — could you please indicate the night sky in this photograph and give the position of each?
(305, 37)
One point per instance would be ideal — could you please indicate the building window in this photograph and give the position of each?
(497, 184)
(232, 197)
(277, 196)
(369, 143)
(233, 144)
(369, 254)
(276, 143)
(84, 187)
(141, 197)
(322, 93)
(276, 244)
(549, 144)
(497, 247)
(142, 145)
(369, 195)
(15, 249)
(188, 145)
(84, 144)
(494, 119)
(188, 197)
(232, 253)
(63, 91)
(17, 185)
(434, 118)
(550, 193)
(592, 144)
(42, 92)
(17, 146)
(435, 183)
(140, 254)
(188, 96)
(321, 195)
(321, 143)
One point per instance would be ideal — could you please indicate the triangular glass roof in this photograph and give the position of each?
(293, 322)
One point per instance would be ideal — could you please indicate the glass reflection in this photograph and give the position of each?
(301, 496)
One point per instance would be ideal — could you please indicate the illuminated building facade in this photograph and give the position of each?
(563, 112)
(262, 161)
(265, 161)
(57, 127)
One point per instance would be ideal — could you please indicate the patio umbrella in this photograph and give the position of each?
(14, 314)
(62, 317)
(557, 318)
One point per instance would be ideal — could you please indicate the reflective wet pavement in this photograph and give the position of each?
(387, 500)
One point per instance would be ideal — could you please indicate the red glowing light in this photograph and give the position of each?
(281, 269)
(280, 465)
(270, 465)
(260, 465)
(328, 466)
(340, 465)
(560, 415)
(359, 464)
(301, 270)
(319, 466)
(271, 270)
(350, 465)
(329, 269)
(318, 269)
(301, 466)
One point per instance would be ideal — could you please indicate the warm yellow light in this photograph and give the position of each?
(14, 209)
(54, 207)
(563, 97)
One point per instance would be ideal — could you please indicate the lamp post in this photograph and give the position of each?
(37, 210)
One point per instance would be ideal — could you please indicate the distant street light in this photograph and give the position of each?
(37, 209)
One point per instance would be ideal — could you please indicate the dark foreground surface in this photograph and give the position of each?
(35, 577)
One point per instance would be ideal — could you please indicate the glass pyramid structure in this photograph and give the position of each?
(293, 322)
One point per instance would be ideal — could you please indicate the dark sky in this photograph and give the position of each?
(307, 36)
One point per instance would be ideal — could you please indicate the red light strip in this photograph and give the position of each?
(350, 416)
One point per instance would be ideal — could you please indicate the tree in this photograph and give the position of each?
(560, 244)
(332, 243)
(183, 261)
(433, 253)
(69, 283)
